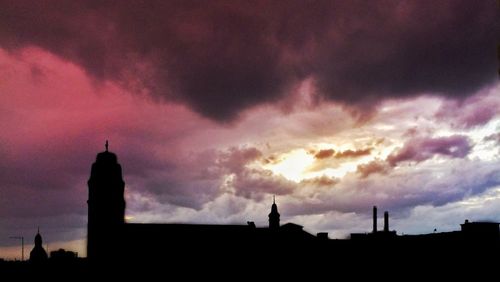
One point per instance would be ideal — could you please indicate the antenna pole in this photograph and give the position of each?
(22, 245)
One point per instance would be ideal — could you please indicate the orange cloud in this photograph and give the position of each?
(353, 153)
(323, 154)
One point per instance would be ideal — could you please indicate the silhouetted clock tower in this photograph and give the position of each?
(106, 206)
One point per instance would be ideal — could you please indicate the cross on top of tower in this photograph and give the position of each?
(106, 145)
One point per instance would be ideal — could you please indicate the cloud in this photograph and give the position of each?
(353, 153)
(234, 159)
(195, 179)
(398, 190)
(323, 154)
(421, 149)
(376, 166)
(327, 153)
(481, 207)
(471, 112)
(495, 137)
(255, 183)
(322, 181)
(221, 57)
(246, 181)
(330, 159)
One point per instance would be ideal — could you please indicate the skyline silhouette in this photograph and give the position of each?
(113, 244)
(106, 214)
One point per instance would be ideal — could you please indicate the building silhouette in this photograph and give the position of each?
(63, 255)
(38, 253)
(106, 204)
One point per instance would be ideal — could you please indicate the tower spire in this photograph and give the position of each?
(106, 145)
(274, 216)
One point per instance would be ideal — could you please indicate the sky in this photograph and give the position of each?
(213, 107)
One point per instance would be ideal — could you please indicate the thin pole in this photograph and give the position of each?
(22, 245)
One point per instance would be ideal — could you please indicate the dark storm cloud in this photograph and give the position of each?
(220, 57)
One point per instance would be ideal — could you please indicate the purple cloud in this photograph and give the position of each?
(474, 111)
(421, 149)
(376, 166)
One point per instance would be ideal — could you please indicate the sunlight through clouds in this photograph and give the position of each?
(292, 165)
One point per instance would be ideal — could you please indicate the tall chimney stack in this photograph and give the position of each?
(374, 219)
(386, 221)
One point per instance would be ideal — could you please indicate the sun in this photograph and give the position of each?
(292, 165)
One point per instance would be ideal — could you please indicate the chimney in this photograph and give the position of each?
(374, 219)
(386, 221)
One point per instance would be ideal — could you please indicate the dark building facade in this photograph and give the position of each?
(63, 255)
(480, 230)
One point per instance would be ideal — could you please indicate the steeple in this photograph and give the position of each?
(106, 145)
(274, 216)
(38, 254)
(38, 238)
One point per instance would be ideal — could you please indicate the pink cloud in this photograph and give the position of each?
(57, 120)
